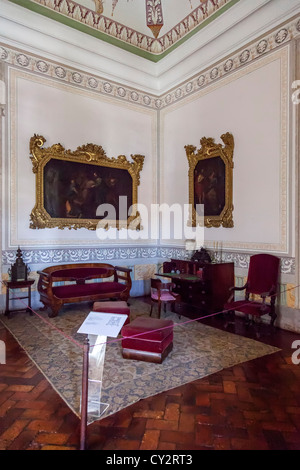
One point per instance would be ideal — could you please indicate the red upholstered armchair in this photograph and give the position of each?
(260, 288)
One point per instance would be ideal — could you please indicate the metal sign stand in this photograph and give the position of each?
(84, 394)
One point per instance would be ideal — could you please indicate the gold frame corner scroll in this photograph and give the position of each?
(71, 185)
(211, 181)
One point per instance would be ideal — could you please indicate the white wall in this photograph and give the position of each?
(72, 117)
(252, 105)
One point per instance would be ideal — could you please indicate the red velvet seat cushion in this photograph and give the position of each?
(249, 308)
(88, 289)
(139, 344)
(153, 329)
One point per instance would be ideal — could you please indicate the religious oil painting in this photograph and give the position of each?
(78, 189)
(211, 181)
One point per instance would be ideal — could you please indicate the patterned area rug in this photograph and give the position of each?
(198, 351)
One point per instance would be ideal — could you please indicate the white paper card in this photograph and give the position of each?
(103, 323)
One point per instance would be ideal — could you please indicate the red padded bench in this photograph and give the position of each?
(153, 343)
(117, 306)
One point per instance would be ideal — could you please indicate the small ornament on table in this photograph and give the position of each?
(202, 256)
(200, 273)
(19, 270)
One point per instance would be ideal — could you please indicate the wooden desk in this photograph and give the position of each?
(182, 277)
(202, 296)
(11, 285)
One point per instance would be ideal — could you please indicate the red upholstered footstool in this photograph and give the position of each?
(117, 306)
(153, 345)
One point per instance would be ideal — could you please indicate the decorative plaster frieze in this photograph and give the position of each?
(78, 78)
(258, 48)
(128, 254)
(104, 25)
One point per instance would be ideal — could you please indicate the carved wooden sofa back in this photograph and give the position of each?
(72, 283)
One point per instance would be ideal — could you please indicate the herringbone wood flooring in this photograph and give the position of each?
(251, 406)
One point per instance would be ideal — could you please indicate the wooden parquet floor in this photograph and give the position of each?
(251, 406)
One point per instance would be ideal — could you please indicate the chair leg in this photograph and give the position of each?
(230, 318)
(159, 309)
(173, 308)
(257, 326)
(273, 318)
(151, 309)
(179, 310)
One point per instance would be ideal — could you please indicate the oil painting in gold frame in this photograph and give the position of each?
(211, 181)
(71, 185)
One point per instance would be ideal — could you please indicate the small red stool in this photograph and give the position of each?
(117, 306)
(153, 345)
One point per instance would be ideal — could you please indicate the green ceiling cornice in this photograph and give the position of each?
(43, 10)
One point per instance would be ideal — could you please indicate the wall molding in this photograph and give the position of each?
(255, 50)
(55, 70)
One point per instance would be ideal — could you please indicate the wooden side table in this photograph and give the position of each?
(11, 285)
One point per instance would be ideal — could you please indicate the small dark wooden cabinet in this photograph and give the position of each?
(200, 295)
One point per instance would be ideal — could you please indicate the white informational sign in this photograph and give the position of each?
(99, 325)
(103, 323)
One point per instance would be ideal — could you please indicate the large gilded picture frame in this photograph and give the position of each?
(71, 185)
(211, 181)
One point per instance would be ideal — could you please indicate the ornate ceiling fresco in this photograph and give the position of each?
(149, 28)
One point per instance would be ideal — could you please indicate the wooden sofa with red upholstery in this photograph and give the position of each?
(71, 283)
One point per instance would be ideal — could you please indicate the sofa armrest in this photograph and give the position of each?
(125, 276)
(121, 268)
(44, 282)
(43, 273)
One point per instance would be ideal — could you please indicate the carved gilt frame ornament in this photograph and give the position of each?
(211, 181)
(70, 185)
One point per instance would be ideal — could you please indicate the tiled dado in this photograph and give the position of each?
(127, 255)
(75, 77)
